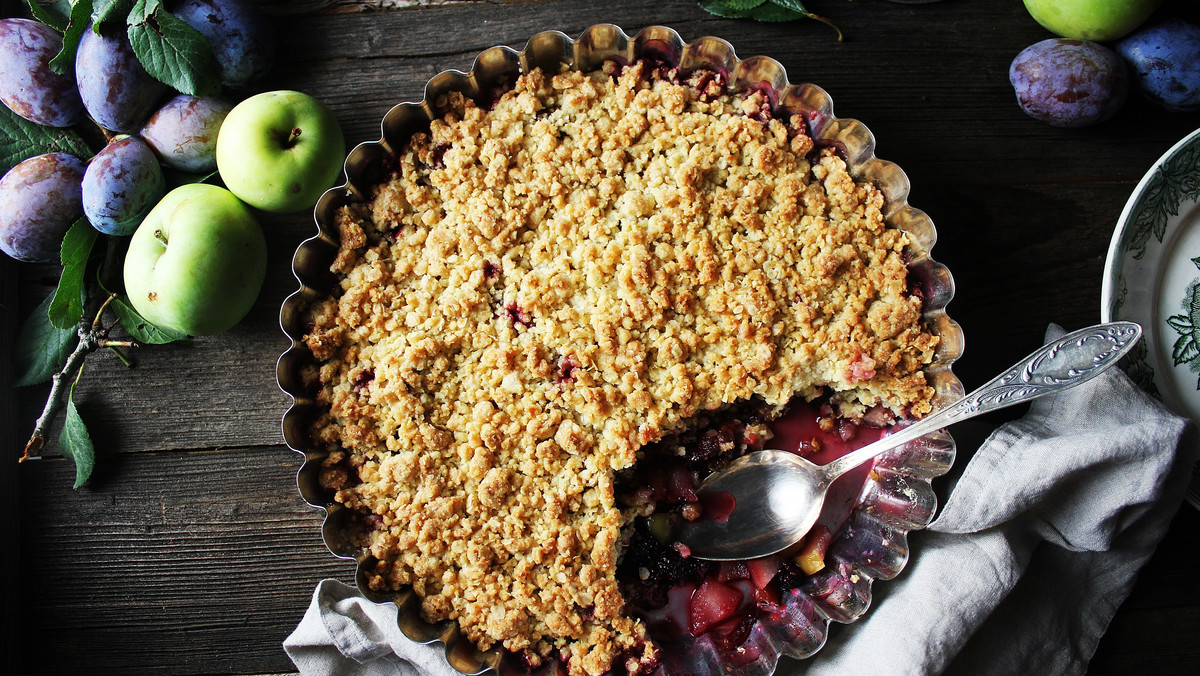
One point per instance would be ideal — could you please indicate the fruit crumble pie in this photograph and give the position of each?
(589, 270)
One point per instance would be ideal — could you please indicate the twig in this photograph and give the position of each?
(90, 338)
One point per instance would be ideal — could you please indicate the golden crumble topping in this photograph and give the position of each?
(542, 289)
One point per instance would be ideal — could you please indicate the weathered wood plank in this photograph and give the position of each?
(215, 551)
(931, 81)
(220, 391)
(191, 552)
(1150, 642)
(10, 487)
(169, 563)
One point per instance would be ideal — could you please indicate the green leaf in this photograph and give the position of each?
(773, 13)
(48, 15)
(140, 328)
(794, 5)
(81, 14)
(143, 10)
(742, 5)
(172, 52)
(110, 10)
(1196, 262)
(21, 139)
(110, 273)
(75, 442)
(722, 9)
(66, 308)
(798, 7)
(41, 348)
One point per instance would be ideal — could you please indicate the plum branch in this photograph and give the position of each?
(92, 336)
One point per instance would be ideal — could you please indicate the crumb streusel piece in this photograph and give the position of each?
(542, 289)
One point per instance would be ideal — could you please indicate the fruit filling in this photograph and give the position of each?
(680, 597)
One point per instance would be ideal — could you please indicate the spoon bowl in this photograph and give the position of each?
(774, 497)
(775, 500)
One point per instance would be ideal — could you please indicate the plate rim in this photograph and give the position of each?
(1109, 280)
(1113, 267)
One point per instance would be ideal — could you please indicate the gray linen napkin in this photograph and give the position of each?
(344, 634)
(1022, 571)
(1037, 546)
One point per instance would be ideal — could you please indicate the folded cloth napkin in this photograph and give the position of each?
(1022, 571)
(345, 634)
(1037, 545)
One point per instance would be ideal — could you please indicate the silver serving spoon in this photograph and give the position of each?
(776, 496)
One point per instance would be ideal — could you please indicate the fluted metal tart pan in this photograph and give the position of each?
(872, 545)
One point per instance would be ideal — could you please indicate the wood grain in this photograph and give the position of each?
(190, 551)
(208, 559)
(10, 487)
(995, 222)
(219, 391)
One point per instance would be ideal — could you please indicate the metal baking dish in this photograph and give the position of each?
(872, 545)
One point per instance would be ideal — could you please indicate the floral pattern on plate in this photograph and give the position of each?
(1152, 275)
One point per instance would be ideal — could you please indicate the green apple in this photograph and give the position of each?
(1096, 20)
(279, 151)
(197, 261)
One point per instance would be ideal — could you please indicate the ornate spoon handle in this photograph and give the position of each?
(1073, 359)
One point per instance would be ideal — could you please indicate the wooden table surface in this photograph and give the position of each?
(190, 550)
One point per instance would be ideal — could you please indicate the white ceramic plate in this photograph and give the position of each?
(1152, 276)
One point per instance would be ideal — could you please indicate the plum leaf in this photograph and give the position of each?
(141, 329)
(172, 52)
(41, 348)
(66, 307)
(143, 10)
(725, 8)
(48, 15)
(21, 139)
(81, 14)
(800, 11)
(75, 442)
(770, 11)
(773, 12)
(109, 10)
(743, 5)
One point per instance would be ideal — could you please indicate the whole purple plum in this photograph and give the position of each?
(42, 197)
(1069, 83)
(118, 93)
(1165, 59)
(184, 132)
(242, 40)
(122, 184)
(27, 85)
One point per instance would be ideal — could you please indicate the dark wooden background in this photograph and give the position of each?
(190, 551)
